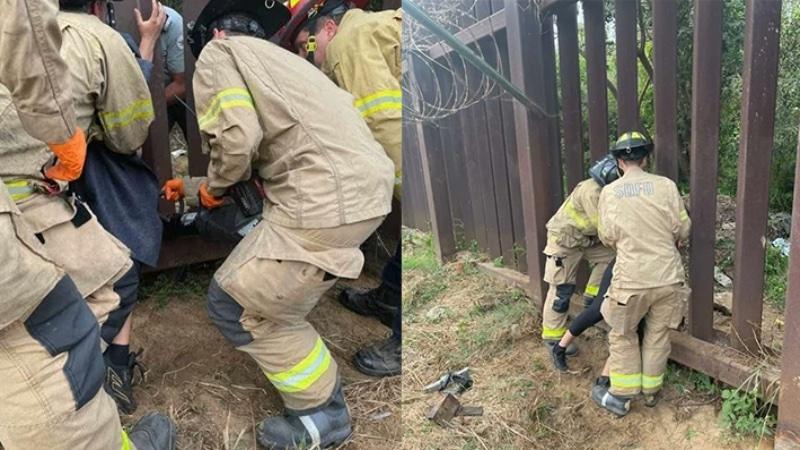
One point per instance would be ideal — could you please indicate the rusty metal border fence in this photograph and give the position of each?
(493, 175)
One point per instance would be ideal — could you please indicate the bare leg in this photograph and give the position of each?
(124, 335)
(566, 339)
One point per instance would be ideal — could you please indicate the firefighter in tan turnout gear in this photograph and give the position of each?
(572, 237)
(265, 111)
(362, 53)
(50, 360)
(643, 217)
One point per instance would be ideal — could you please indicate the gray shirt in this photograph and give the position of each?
(171, 43)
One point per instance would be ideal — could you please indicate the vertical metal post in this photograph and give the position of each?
(536, 166)
(571, 94)
(627, 84)
(665, 48)
(762, 40)
(595, 23)
(706, 72)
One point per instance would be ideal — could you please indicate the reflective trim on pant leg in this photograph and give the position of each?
(591, 290)
(64, 323)
(650, 382)
(305, 373)
(126, 442)
(225, 313)
(622, 381)
(553, 333)
(127, 288)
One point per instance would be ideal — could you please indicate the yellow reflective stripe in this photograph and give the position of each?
(304, 373)
(553, 333)
(592, 289)
(126, 443)
(631, 135)
(19, 189)
(379, 101)
(138, 110)
(651, 382)
(226, 99)
(684, 215)
(580, 220)
(626, 381)
(293, 3)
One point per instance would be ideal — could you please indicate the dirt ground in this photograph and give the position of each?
(457, 317)
(218, 395)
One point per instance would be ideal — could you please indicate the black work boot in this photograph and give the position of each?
(606, 400)
(559, 355)
(651, 400)
(154, 431)
(328, 427)
(374, 302)
(572, 349)
(383, 359)
(119, 382)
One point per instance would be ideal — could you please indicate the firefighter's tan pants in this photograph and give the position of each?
(261, 307)
(636, 368)
(51, 394)
(561, 269)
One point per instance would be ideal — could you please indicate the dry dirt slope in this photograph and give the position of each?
(456, 317)
(218, 395)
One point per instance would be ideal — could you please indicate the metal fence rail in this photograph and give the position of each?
(485, 198)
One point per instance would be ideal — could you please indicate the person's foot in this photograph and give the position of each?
(651, 400)
(328, 427)
(606, 400)
(604, 381)
(374, 302)
(383, 359)
(559, 355)
(119, 381)
(154, 431)
(572, 349)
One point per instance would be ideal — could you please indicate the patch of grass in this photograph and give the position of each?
(498, 262)
(776, 271)
(690, 434)
(418, 252)
(744, 414)
(686, 380)
(181, 284)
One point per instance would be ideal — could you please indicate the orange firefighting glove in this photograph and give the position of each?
(208, 200)
(71, 156)
(173, 189)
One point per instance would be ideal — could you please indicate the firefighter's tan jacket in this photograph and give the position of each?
(642, 216)
(27, 275)
(263, 109)
(365, 59)
(111, 97)
(575, 223)
(31, 68)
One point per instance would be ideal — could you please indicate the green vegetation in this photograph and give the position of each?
(776, 272)
(744, 413)
(178, 284)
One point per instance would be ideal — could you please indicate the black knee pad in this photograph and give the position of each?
(127, 288)
(63, 323)
(225, 313)
(563, 295)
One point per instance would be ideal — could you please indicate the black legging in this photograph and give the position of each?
(591, 315)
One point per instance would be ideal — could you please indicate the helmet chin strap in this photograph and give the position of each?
(311, 48)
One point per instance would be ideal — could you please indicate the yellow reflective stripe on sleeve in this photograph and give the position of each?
(553, 333)
(18, 189)
(626, 381)
(126, 442)
(581, 221)
(226, 99)
(379, 101)
(652, 382)
(592, 290)
(684, 215)
(138, 110)
(305, 373)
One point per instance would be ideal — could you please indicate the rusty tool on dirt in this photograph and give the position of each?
(450, 407)
(451, 383)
